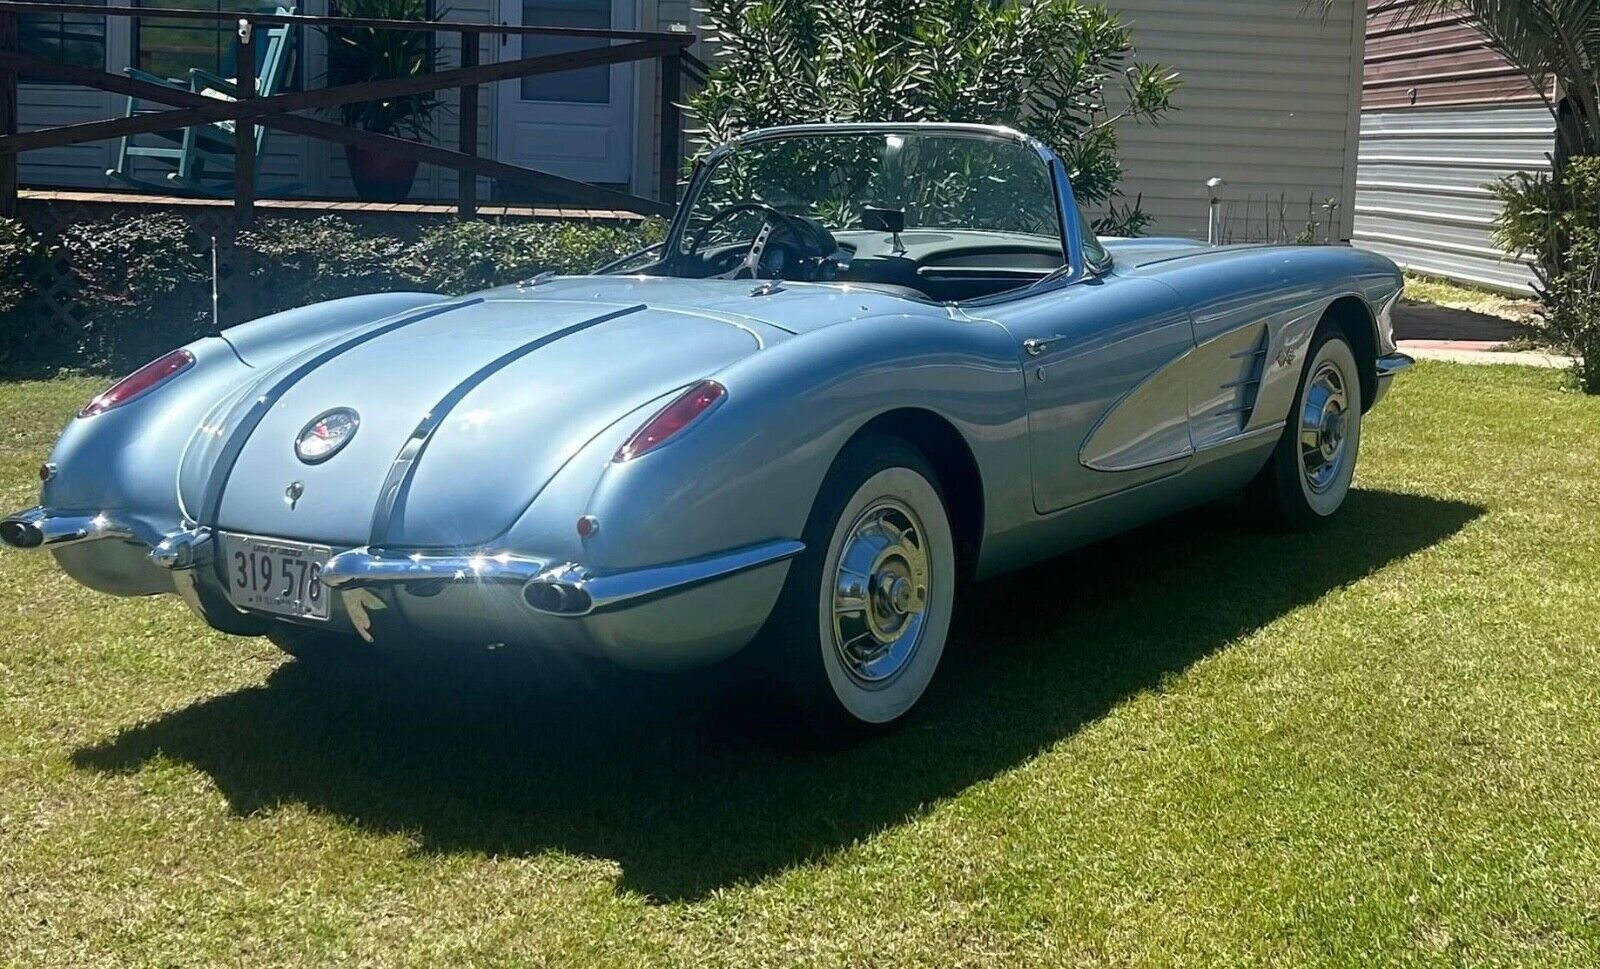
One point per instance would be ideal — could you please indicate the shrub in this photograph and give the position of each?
(1050, 67)
(308, 261)
(143, 283)
(460, 257)
(1558, 223)
(24, 260)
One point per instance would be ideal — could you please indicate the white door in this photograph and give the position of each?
(578, 124)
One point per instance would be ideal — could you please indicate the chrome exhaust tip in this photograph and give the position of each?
(21, 533)
(42, 528)
(559, 592)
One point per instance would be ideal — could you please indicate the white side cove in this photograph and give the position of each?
(1421, 198)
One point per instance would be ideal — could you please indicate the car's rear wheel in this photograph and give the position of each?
(1308, 476)
(866, 609)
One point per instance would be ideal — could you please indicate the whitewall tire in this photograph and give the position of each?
(866, 610)
(1308, 477)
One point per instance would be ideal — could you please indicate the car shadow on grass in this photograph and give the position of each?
(506, 753)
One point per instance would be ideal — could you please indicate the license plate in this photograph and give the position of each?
(272, 575)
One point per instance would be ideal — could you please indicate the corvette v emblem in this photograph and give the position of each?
(327, 433)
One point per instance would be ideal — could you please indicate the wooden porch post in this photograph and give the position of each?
(671, 91)
(244, 132)
(467, 182)
(10, 36)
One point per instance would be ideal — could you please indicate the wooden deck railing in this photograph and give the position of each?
(276, 111)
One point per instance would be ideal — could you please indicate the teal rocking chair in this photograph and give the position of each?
(201, 156)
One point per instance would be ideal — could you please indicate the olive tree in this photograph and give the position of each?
(1061, 70)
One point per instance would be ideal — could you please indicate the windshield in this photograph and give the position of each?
(945, 214)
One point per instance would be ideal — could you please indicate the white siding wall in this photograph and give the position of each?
(75, 166)
(1270, 102)
(657, 15)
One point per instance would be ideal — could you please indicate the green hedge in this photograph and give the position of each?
(143, 284)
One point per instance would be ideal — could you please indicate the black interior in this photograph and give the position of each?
(941, 265)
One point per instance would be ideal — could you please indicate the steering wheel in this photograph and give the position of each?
(806, 233)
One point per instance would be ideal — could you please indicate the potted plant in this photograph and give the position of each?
(357, 54)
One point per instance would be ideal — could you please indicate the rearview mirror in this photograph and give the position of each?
(883, 220)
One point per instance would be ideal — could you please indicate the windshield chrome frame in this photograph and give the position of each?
(1071, 272)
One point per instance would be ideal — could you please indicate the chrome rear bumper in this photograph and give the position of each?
(565, 589)
(38, 528)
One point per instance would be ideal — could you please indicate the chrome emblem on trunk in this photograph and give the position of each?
(327, 433)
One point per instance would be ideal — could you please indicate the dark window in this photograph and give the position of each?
(168, 48)
(589, 84)
(67, 38)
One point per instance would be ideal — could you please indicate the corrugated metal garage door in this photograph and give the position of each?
(1420, 195)
(1443, 115)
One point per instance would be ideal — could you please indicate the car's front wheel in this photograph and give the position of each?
(1309, 474)
(866, 610)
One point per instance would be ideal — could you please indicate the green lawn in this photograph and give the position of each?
(1195, 746)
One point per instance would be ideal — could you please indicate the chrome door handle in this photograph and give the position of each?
(1035, 346)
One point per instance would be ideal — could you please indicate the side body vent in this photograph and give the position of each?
(1245, 388)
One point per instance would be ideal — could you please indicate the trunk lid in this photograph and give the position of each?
(506, 391)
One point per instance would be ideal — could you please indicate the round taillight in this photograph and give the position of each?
(672, 419)
(140, 382)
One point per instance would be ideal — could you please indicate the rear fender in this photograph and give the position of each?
(749, 471)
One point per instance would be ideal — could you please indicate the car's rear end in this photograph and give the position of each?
(424, 474)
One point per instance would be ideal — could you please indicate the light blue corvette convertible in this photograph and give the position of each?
(867, 362)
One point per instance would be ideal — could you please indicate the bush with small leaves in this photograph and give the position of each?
(24, 259)
(1558, 225)
(1061, 70)
(461, 257)
(142, 281)
(308, 261)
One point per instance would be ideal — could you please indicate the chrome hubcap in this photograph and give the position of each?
(1324, 421)
(880, 592)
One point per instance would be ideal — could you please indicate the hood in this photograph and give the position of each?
(1128, 254)
(498, 392)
